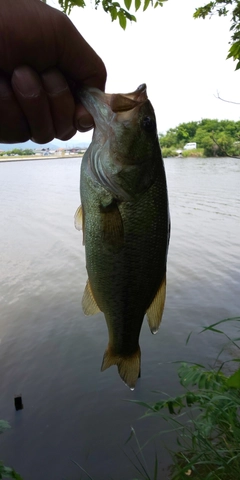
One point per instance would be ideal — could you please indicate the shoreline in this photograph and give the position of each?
(34, 158)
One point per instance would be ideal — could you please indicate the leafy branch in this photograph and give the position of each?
(121, 12)
(117, 11)
(223, 149)
(224, 8)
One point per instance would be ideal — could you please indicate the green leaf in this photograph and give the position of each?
(114, 13)
(234, 380)
(7, 472)
(146, 3)
(137, 4)
(83, 470)
(122, 19)
(170, 407)
(188, 338)
(128, 3)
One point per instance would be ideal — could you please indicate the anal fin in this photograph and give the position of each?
(89, 303)
(129, 366)
(155, 311)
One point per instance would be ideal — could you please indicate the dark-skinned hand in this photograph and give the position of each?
(43, 62)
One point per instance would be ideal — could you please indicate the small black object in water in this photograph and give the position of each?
(18, 402)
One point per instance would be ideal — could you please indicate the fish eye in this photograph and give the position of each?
(149, 124)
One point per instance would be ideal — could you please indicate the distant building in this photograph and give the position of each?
(190, 146)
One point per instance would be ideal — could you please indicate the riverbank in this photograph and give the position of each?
(174, 152)
(22, 158)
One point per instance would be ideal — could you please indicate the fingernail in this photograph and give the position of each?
(85, 122)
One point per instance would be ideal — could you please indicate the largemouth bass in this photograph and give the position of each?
(124, 215)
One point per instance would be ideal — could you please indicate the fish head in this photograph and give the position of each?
(134, 127)
(125, 135)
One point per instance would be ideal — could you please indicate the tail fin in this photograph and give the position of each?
(129, 367)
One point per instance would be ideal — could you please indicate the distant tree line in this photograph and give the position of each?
(213, 138)
(17, 151)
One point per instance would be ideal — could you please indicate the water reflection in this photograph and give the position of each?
(51, 353)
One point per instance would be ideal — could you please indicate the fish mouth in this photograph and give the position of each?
(120, 102)
(98, 102)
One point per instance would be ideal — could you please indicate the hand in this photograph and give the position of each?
(43, 61)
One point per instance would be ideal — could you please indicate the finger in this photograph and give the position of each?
(61, 103)
(83, 121)
(33, 101)
(13, 125)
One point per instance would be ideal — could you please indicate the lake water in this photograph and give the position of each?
(51, 353)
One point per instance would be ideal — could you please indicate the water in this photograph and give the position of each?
(51, 353)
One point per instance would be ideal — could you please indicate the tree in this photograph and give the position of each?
(214, 137)
(170, 139)
(214, 7)
(224, 8)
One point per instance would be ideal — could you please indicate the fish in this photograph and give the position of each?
(124, 215)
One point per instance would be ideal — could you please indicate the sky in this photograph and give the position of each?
(182, 60)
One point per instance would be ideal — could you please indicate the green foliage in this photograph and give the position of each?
(216, 7)
(168, 152)
(196, 153)
(223, 8)
(4, 426)
(7, 472)
(118, 11)
(18, 151)
(205, 418)
(213, 137)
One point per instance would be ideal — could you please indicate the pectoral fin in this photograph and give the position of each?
(155, 311)
(79, 220)
(89, 303)
(112, 226)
